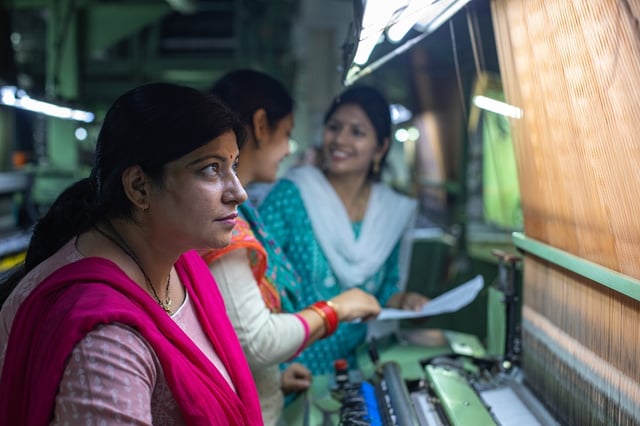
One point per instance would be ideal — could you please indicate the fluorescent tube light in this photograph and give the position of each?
(384, 14)
(416, 10)
(376, 17)
(12, 96)
(496, 106)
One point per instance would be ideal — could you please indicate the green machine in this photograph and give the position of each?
(423, 376)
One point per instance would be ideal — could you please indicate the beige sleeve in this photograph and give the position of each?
(109, 377)
(267, 338)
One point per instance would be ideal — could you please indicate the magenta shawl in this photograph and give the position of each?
(79, 296)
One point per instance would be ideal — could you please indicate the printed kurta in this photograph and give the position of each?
(284, 214)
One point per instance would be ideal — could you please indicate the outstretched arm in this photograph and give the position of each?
(268, 338)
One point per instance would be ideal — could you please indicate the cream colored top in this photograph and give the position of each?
(267, 338)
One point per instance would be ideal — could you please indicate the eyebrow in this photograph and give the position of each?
(359, 125)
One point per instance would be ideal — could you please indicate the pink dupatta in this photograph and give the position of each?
(92, 291)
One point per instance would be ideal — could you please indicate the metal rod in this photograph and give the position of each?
(614, 280)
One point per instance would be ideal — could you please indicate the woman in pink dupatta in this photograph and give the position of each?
(114, 318)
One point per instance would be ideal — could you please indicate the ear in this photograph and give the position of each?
(136, 186)
(260, 125)
(382, 150)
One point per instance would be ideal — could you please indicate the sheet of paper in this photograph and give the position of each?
(450, 301)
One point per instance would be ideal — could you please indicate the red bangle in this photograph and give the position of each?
(322, 315)
(329, 316)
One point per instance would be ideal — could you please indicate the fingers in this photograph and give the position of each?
(295, 378)
(413, 301)
(299, 370)
(355, 303)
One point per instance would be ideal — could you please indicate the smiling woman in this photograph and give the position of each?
(335, 224)
(114, 316)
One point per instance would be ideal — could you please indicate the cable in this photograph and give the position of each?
(458, 74)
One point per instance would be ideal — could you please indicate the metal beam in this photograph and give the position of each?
(607, 277)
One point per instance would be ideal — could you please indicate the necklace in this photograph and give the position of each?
(122, 245)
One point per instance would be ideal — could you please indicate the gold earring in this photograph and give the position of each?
(376, 166)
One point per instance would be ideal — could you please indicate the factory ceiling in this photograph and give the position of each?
(87, 51)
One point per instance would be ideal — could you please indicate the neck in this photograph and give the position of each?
(348, 188)
(134, 242)
(354, 194)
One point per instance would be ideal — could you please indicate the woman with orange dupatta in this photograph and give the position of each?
(258, 284)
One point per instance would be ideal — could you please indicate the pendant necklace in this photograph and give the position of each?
(117, 239)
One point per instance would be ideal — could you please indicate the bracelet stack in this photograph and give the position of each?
(329, 316)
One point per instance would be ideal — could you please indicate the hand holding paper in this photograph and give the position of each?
(450, 301)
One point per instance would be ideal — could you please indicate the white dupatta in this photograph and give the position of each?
(389, 215)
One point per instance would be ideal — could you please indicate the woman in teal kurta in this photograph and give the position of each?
(288, 222)
(339, 226)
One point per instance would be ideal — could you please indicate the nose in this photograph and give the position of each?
(235, 192)
(340, 135)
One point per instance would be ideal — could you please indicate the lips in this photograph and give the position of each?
(230, 217)
(338, 154)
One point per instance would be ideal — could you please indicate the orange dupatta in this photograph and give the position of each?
(243, 237)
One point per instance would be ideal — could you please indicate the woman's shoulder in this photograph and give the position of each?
(117, 340)
(284, 185)
(67, 254)
(283, 193)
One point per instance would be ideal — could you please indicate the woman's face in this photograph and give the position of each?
(197, 206)
(349, 142)
(273, 150)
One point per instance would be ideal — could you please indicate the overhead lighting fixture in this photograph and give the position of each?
(399, 113)
(402, 135)
(439, 12)
(416, 10)
(409, 134)
(81, 133)
(17, 98)
(498, 107)
(381, 15)
(376, 18)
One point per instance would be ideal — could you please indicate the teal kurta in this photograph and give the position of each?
(285, 217)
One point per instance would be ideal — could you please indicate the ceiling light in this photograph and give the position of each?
(415, 11)
(14, 97)
(399, 113)
(381, 15)
(498, 107)
(376, 18)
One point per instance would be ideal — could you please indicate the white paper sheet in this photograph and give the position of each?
(450, 301)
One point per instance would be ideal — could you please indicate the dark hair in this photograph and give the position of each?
(245, 91)
(375, 106)
(149, 126)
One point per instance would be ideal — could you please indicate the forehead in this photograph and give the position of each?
(224, 147)
(351, 114)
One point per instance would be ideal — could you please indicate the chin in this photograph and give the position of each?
(220, 242)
